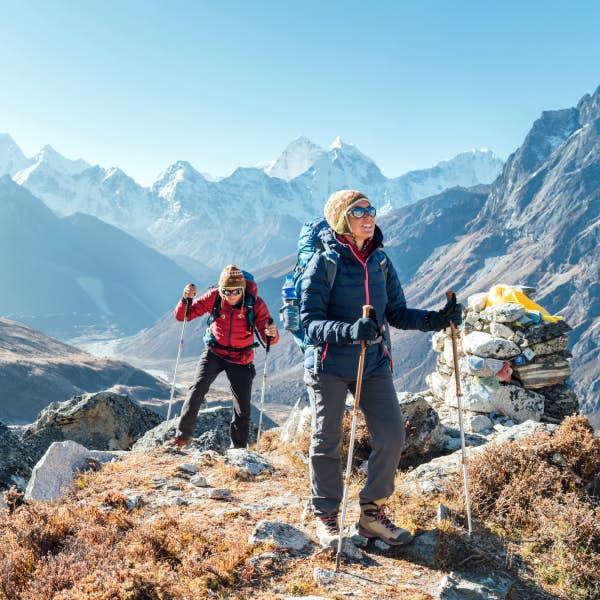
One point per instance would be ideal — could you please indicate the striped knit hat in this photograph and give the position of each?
(336, 207)
(232, 277)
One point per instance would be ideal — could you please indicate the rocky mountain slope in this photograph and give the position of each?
(538, 226)
(36, 369)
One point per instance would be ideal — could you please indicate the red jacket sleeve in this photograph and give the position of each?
(261, 319)
(200, 306)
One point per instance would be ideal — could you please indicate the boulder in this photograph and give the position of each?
(56, 470)
(101, 421)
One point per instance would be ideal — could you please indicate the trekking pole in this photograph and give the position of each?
(188, 302)
(449, 296)
(264, 385)
(359, 375)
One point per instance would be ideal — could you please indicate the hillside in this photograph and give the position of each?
(36, 369)
(77, 274)
(198, 524)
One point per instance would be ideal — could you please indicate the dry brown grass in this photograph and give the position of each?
(543, 490)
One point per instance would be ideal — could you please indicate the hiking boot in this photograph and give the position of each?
(178, 442)
(374, 523)
(328, 530)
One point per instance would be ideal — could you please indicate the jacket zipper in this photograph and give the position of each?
(366, 270)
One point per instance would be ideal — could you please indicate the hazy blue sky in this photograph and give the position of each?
(141, 84)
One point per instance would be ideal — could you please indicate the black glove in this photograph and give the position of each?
(363, 329)
(440, 319)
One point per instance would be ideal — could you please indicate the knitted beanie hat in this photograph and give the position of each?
(232, 277)
(336, 207)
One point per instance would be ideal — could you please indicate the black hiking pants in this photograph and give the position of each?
(240, 378)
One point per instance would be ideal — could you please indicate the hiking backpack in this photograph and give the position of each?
(249, 302)
(310, 243)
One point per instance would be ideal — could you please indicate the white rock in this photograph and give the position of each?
(476, 302)
(284, 536)
(57, 469)
(488, 346)
(251, 462)
(199, 481)
(502, 330)
(505, 312)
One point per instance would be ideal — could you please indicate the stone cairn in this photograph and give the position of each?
(512, 362)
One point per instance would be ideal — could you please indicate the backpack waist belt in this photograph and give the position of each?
(215, 344)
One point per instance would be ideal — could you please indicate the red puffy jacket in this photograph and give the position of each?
(230, 328)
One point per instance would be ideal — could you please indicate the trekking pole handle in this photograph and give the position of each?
(367, 308)
(269, 338)
(188, 307)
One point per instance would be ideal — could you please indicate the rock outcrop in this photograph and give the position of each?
(101, 421)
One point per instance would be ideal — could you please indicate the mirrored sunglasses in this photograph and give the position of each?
(232, 292)
(358, 212)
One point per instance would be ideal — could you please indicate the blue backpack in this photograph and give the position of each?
(309, 243)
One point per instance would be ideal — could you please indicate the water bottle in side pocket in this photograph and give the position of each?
(289, 313)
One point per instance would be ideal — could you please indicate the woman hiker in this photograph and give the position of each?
(229, 348)
(331, 317)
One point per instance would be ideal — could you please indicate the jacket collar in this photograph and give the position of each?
(326, 235)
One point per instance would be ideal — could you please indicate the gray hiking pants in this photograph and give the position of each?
(379, 404)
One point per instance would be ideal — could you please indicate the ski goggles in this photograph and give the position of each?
(231, 292)
(358, 212)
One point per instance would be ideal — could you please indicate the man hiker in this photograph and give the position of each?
(229, 347)
(331, 315)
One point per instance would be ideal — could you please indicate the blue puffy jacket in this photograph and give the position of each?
(326, 311)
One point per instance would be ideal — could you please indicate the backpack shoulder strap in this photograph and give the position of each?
(249, 302)
(214, 313)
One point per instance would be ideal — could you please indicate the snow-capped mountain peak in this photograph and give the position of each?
(298, 157)
(49, 157)
(12, 158)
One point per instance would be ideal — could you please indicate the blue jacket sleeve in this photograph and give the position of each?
(313, 306)
(396, 312)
